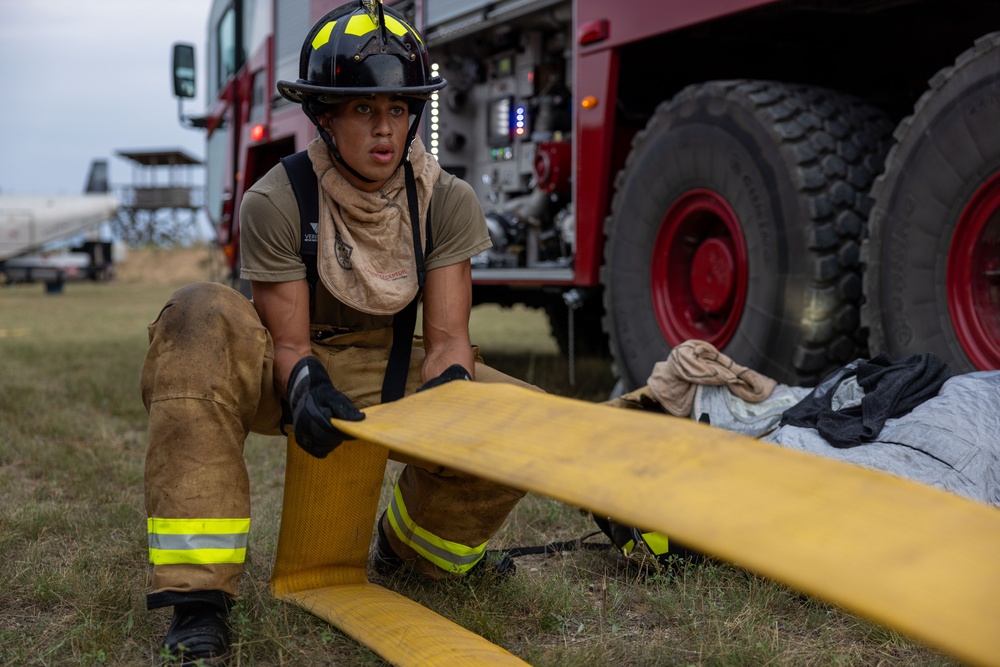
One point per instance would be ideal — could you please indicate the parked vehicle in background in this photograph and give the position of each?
(37, 231)
(797, 182)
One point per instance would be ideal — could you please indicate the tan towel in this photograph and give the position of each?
(695, 362)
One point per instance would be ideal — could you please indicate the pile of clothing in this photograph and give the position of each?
(909, 417)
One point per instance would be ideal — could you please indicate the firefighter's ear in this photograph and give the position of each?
(326, 120)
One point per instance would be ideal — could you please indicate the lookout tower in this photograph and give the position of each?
(161, 206)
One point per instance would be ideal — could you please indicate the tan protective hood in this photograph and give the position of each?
(365, 251)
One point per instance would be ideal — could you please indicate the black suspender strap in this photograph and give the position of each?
(304, 185)
(411, 199)
(405, 322)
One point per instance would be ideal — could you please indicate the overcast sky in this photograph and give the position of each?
(83, 79)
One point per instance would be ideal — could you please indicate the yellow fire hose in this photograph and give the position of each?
(326, 529)
(916, 559)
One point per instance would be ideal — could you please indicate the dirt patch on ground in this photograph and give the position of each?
(171, 266)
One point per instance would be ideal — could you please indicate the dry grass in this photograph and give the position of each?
(72, 523)
(170, 267)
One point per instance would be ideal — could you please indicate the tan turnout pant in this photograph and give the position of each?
(207, 382)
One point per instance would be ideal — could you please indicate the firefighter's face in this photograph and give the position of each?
(369, 133)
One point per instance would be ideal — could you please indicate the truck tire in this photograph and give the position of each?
(932, 279)
(737, 219)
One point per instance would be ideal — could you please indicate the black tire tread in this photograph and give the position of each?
(894, 170)
(837, 144)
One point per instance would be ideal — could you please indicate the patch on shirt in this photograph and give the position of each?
(344, 254)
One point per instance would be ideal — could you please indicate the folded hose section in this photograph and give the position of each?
(911, 557)
(326, 530)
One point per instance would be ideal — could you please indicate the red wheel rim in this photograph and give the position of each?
(973, 278)
(699, 272)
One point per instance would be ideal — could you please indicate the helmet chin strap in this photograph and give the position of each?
(335, 152)
(328, 140)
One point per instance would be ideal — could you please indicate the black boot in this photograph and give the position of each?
(494, 563)
(199, 629)
(385, 560)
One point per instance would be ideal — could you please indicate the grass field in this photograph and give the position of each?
(73, 543)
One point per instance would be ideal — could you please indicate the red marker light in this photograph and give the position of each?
(593, 32)
(257, 133)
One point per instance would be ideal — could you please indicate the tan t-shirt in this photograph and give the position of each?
(270, 237)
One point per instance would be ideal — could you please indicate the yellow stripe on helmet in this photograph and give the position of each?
(323, 36)
(360, 25)
(399, 28)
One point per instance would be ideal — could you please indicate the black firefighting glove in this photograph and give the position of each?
(314, 401)
(453, 372)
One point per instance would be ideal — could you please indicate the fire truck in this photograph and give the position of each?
(798, 182)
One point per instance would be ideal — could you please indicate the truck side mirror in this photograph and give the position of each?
(183, 62)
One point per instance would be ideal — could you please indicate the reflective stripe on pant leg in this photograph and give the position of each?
(197, 541)
(449, 556)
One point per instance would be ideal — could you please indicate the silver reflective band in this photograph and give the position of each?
(187, 542)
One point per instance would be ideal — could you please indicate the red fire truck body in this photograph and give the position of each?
(799, 182)
(597, 75)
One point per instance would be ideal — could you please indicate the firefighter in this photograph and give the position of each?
(325, 334)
